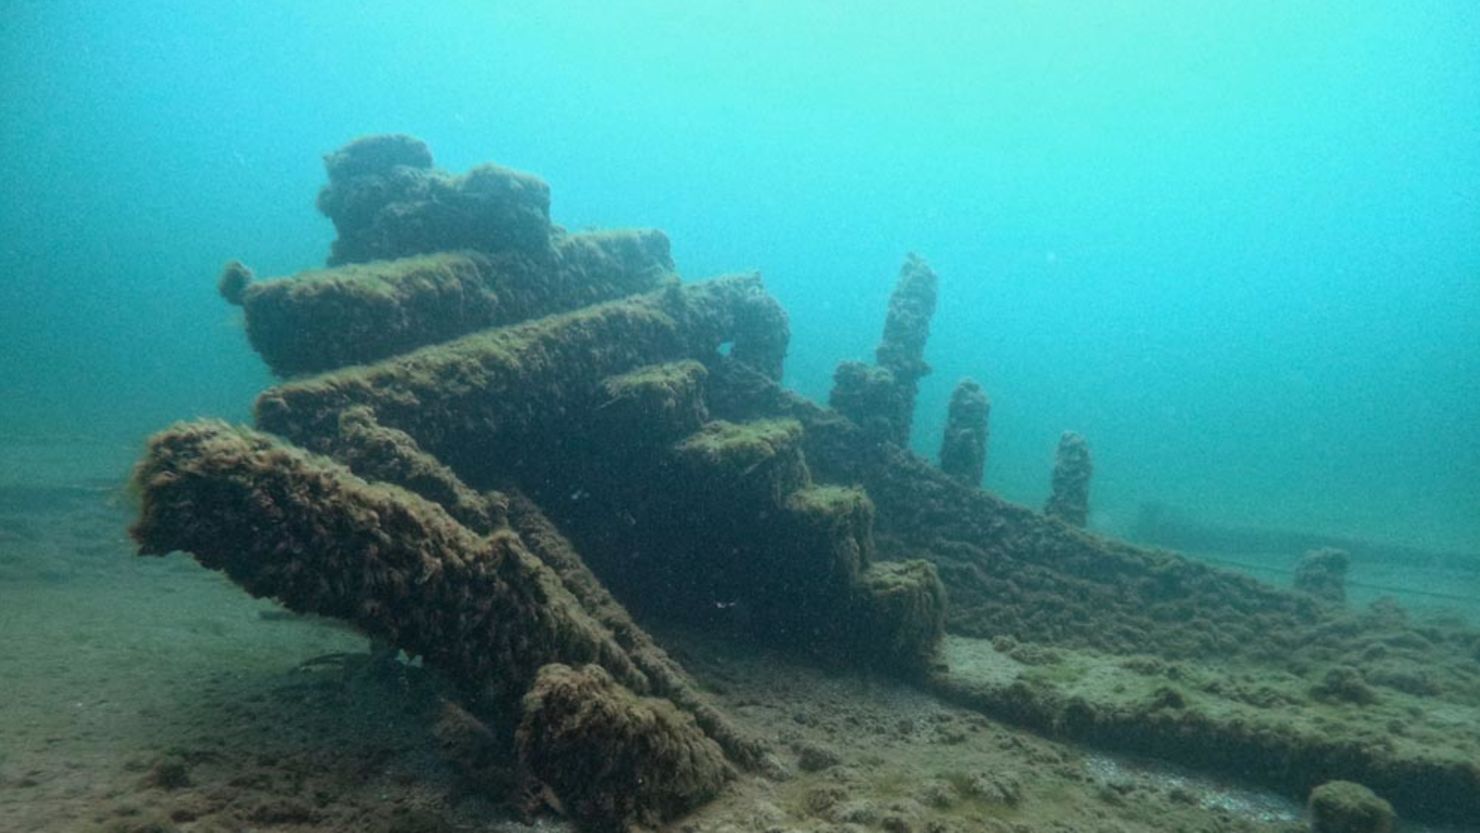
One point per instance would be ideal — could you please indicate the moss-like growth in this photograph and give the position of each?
(1257, 723)
(357, 313)
(351, 314)
(1322, 573)
(1072, 468)
(907, 326)
(614, 759)
(906, 329)
(755, 461)
(487, 397)
(307, 532)
(901, 613)
(1344, 684)
(809, 553)
(595, 266)
(379, 154)
(489, 610)
(963, 447)
(658, 402)
(836, 518)
(376, 452)
(881, 399)
(870, 396)
(387, 201)
(1345, 807)
(235, 279)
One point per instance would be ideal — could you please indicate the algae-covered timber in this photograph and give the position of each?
(1345, 807)
(301, 529)
(881, 398)
(307, 532)
(1017, 575)
(615, 759)
(387, 200)
(963, 445)
(423, 257)
(1072, 468)
(377, 453)
(1265, 725)
(725, 514)
(1013, 571)
(384, 455)
(660, 402)
(902, 610)
(387, 455)
(483, 397)
(361, 312)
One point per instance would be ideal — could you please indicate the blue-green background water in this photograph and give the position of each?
(1235, 244)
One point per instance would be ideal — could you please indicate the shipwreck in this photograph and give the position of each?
(499, 446)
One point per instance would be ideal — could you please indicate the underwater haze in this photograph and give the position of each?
(1234, 244)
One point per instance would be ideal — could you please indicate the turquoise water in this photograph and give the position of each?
(1234, 244)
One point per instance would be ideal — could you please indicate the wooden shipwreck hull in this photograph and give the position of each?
(510, 420)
